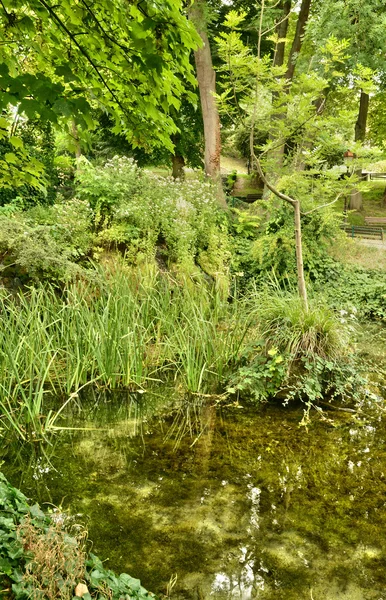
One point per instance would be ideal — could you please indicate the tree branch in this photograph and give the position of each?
(284, 197)
(107, 35)
(277, 23)
(82, 51)
(324, 205)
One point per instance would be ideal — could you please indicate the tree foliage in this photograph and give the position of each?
(60, 60)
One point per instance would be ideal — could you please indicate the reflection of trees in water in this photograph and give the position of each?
(195, 418)
(238, 499)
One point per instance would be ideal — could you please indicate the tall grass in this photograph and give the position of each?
(285, 322)
(123, 329)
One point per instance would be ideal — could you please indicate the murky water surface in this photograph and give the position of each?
(200, 501)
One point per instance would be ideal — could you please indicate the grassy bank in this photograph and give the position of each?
(122, 329)
(128, 327)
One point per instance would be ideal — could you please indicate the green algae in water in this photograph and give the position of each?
(207, 502)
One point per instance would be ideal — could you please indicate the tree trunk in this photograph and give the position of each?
(356, 199)
(298, 39)
(299, 255)
(178, 166)
(277, 155)
(360, 125)
(298, 231)
(281, 31)
(206, 78)
(75, 135)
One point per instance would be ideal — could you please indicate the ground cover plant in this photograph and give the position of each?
(117, 207)
(298, 353)
(45, 556)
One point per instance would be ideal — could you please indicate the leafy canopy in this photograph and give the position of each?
(58, 60)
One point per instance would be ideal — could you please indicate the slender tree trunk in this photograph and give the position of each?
(281, 31)
(298, 231)
(298, 39)
(299, 254)
(178, 163)
(360, 125)
(206, 78)
(356, 199)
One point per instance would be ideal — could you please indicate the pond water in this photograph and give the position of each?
(202, 501)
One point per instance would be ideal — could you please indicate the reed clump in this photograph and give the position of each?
(122, 329)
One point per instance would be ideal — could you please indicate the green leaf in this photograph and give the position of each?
(11, 158)
(16, 142)
(36, 512)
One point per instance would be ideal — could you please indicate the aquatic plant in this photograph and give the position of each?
(128, 326)
(121, 330)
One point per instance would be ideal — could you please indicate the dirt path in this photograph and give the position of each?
(372, 243)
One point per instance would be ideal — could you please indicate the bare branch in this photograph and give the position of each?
(324, 205)
(284, 197)
(278, 23)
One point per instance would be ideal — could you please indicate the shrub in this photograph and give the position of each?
(145, 212)
(301, 354)
(106, 188)
(44, 558)
(286, 324)
(55, 560)
(45, 242)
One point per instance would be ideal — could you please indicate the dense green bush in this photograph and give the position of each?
(45, 242)
(143, 212)
(298, 353)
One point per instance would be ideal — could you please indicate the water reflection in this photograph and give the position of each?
(220, 503)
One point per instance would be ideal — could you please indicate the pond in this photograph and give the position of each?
(202, 501)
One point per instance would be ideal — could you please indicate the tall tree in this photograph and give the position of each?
(259, 80)
(206, 78)
(364, 25)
